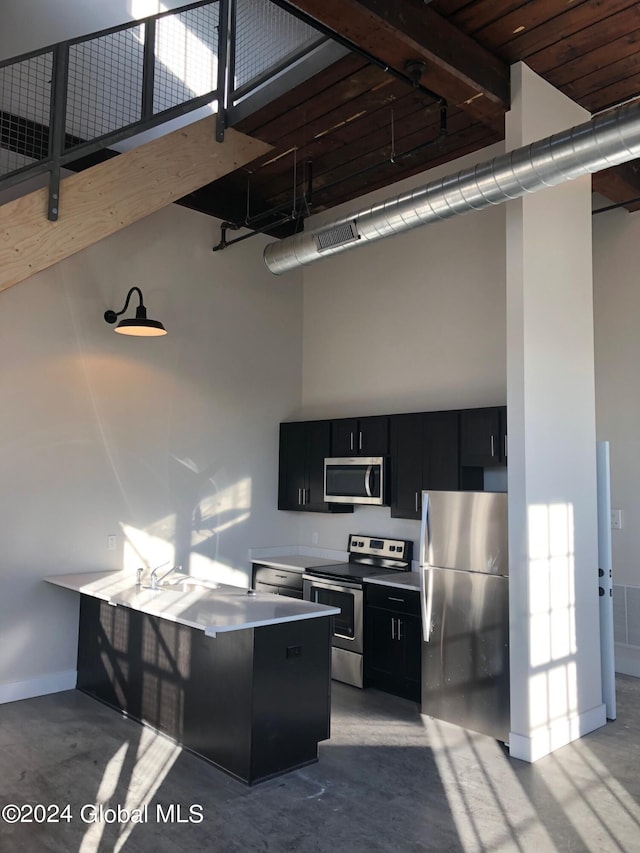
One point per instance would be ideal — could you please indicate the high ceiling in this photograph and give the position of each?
(361, 127)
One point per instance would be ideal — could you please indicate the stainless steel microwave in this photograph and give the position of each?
(355, 480)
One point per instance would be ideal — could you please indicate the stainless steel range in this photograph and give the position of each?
(341, 585)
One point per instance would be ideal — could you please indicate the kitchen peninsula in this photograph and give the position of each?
(243, 680)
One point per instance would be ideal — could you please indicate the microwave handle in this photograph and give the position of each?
(367, 480)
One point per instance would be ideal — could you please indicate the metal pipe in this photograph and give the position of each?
(606, 140)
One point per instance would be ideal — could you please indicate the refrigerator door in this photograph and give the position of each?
(465, 530)
(465, 656)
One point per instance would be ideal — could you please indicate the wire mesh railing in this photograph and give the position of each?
(77, 97)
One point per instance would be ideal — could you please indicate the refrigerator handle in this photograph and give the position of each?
(427, 603)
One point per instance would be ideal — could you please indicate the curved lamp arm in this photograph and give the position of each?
(141, 326)
(112, 316)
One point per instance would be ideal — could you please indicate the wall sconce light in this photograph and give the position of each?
(141, 326)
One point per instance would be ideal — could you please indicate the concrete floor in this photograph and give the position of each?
(388, 780)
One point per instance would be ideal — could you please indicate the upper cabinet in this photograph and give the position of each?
(483, 437)
(360, 436)
(444, 451)
(303, 447)
(424, 455)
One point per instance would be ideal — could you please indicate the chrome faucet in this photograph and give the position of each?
(155, 580)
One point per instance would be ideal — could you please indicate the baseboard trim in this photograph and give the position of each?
(627, 660)
(547, 739)
(55, 683)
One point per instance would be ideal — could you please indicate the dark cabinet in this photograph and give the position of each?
(393, 641)
(424, 455)
(303, 447)
(277, 581)
(483, 437)
(360, 436)
(254, 702)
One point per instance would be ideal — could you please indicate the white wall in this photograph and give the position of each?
(29, 25)
(412, 323)
(556, 693)
(170, 443)
(616, 236)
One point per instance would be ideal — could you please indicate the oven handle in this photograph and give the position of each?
(320, 582)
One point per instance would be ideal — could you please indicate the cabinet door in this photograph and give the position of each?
(441, 454)
(292, 477)
(410, 630)
(407, 443)
(480, 437)
(372, 437)
(360, 436)
(382, 650)
(344, 436)
(318, 446)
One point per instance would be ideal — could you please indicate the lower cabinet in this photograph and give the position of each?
(393, 641)
(276, 581)
(254, 702)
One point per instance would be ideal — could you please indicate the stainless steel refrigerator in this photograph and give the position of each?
(465, 610)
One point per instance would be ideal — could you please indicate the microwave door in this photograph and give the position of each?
(358, 480)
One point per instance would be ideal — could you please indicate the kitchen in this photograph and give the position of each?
(173, 448)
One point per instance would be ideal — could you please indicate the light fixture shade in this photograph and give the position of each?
(141, 326)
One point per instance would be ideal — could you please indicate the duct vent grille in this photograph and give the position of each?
(344, 232)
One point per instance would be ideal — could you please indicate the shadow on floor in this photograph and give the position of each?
(388, 780)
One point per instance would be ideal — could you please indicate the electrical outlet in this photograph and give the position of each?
(616, 519)
(111, 542)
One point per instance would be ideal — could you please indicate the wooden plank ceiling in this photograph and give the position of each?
(360, 127)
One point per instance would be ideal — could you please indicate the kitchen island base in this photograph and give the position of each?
(254, 702)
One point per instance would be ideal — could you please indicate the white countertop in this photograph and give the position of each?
(294, 562)
(400, 580)
(212, 609)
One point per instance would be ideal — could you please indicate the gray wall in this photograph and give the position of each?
(169, 443)
(408, 324)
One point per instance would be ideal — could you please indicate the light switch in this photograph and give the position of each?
(616, 519)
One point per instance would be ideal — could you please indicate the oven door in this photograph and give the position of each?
(347, 626)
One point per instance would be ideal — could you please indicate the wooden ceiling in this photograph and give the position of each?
(361, 127)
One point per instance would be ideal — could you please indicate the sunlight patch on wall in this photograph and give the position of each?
(145, 8)
(552, 628)
(192, 539)
(142, 548)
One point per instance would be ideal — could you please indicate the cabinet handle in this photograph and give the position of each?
(393, 628)
(493, 449)
(360, 440)
(399, 626)
(299, 497)
(304, 497)
(505, 446)
(416, 502)
(351, 439)
(391, 598)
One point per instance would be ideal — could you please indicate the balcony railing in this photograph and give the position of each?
(66, 102)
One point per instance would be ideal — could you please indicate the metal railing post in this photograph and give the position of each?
(225, 51)
(57, 122)
(148, 67)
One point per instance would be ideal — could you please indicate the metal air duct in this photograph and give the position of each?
(607, 140)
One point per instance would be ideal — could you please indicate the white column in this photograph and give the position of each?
(556, 691)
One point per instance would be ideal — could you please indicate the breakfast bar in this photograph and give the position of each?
(241, 679)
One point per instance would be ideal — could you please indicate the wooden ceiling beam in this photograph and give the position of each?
(109, 196)
(456, 67)
(619, 184)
